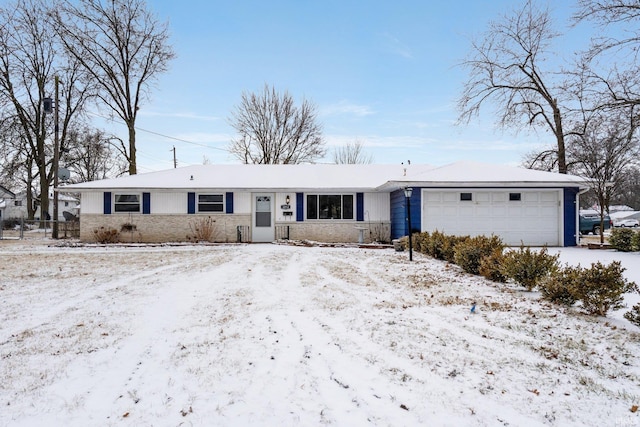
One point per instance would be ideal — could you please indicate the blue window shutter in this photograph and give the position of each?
(299, 206)
(107, 203)
(359, 206)
(191, 203)
(229, 203)
(146, 203)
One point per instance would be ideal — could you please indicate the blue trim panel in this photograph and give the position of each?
(146, 203)
(299, 207)
(107, 203)
(570, 211)
(229, 203)
(399, 213)
(191, 203)
(359, 206)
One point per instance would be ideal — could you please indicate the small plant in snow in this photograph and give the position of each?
(633, 316)
(528, 267)
(202, 229)
(106, 235)
(601, 288)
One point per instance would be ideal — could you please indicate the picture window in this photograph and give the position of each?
(330, 206)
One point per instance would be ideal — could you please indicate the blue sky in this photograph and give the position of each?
(381, 72)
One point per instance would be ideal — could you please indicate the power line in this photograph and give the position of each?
(163, 135)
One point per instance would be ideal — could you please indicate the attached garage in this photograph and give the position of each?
(533, 216)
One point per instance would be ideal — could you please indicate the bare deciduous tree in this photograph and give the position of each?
(506, 67)
(613, 60)
(603, 147)
(610, 13)
(29, 59)
(92, 156)
(123, 47)
(273, 130)
(628, 188)
(352, 154)
(16, 162)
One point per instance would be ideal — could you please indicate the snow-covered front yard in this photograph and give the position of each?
(277, 335)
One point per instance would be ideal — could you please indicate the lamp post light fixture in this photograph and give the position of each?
(407, 195)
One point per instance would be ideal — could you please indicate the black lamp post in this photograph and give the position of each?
(407, 195)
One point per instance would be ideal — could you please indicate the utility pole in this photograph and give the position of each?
(56, 160)
(175, 162)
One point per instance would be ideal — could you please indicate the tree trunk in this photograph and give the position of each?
(44, 199)
(562, 155)
(31, 211)
(133, 168)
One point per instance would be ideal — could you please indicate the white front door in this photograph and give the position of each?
(263, 223)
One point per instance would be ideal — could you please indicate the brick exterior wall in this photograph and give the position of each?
(162, 228)
(176, 228)
(338, 232)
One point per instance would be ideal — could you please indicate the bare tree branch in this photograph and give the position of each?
(123, 47)
(505, 69)
(352, 153)
(273, 130)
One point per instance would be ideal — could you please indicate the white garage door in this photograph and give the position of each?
(532, 217)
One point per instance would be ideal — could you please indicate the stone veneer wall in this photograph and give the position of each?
(337, 232)
(175, 228)
(162, 228)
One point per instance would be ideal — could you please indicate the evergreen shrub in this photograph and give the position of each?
(528, 267)
(469, 253)
(622, 239)
(601, 288)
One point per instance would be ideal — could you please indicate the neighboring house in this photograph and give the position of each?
(336, 203)
(17, 208)
(66, 203)
(6, 199)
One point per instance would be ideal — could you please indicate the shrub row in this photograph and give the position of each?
(599, 288)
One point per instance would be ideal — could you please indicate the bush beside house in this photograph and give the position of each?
(599, 288)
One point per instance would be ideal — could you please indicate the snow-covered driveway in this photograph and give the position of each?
(283, 335)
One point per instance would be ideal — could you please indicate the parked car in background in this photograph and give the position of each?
(626, 222)
(590, 222)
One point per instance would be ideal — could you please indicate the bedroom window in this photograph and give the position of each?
(466, 197)
(210, 203)
(126, 203)
(330, 206)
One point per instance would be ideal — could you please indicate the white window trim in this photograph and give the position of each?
(211, 212)
(115, 203)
